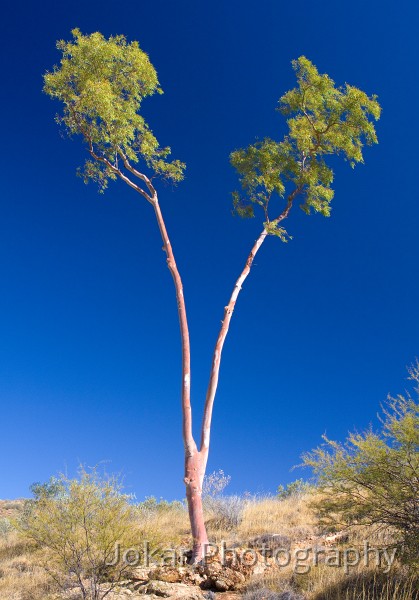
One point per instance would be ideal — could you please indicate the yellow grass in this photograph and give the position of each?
(168, 526)
(21, 579)
(291, 517)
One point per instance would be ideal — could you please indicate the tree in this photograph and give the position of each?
(77, 523)
(373, 478)
(102, 84)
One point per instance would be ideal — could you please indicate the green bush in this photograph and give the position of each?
(76, 524)
(296, 488)
(152, 505)
(373, 478)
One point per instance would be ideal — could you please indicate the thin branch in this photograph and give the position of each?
(225, 324)
(113, 168)
(188, 440)
(119, 173)
(138, 174)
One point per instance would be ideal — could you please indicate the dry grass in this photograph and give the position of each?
(10, 508)
(21, 579)
(291, 517)
(324, 583)
(332, 584)
(166, 525)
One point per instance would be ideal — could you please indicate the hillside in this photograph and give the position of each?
(267, 528)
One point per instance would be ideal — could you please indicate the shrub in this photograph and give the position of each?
(226, 511)
(10, 505)
(215, 483)
(77, 524)
(296, 488)
(153, 506)
(372, 479)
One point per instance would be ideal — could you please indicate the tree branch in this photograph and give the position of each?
(189, 442)
(114, 168)
(134, 171)
(225, 324)
(119, 173)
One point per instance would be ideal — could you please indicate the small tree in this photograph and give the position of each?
(373, 478)
(77, 523)
(102, 84)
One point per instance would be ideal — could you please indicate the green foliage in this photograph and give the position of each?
(296, 488)
(102, 84)
(152, 505)
(373, 478)
(323, 120)
(76, 523)
(50, 489)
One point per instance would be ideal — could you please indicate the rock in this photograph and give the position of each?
(124, 583)
(176, 575)
(337, 538)
(163, 589)
(221, 578)
(270, 542)
(222, 585)
(139, 586)
(167, 574)
(140, 573)
(119, 594)
(259, 568)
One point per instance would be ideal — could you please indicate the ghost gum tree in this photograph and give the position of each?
(102, 83)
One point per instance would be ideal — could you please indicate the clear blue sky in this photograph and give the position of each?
(89, 351)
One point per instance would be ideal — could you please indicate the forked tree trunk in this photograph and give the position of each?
(195, 460)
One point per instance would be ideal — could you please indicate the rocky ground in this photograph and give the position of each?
(249, 570)
(228, 579)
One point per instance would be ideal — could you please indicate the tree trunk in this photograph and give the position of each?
(194, 476)
(195, 461)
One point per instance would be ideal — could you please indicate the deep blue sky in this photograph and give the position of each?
(89, 352)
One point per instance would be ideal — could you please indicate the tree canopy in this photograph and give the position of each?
(323, 120)
(102, 83)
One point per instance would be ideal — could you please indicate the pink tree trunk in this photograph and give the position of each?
(195, 460)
